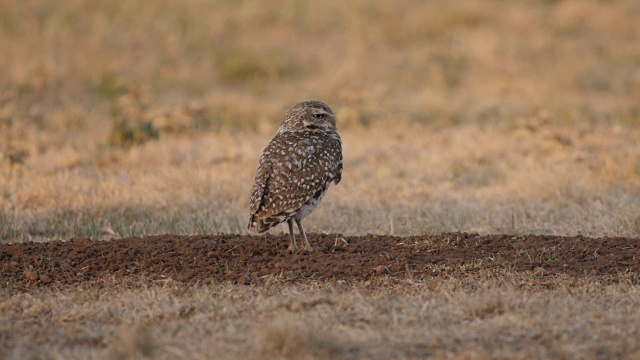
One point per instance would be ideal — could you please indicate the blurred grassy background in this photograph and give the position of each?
(131, 118)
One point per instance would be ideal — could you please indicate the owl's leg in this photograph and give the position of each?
(306, 242)
(293, 247)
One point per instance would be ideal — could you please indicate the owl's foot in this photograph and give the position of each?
(292, 249)
(308, 250)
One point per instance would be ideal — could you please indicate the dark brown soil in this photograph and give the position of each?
(245, 260)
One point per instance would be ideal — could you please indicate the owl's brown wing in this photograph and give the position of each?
(294, 167)
(264, 170)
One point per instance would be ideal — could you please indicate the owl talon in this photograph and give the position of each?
(308, 250)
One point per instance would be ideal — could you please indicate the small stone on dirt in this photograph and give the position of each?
(30, 275)
(538, 271)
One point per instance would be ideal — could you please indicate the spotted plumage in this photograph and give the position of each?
(296, 169)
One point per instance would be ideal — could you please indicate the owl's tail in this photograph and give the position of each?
(260, 225)
(256, 225)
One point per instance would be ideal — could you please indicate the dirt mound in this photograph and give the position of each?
(244, 259)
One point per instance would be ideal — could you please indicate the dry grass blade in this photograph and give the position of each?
(290, 338)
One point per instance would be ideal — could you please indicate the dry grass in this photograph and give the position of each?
(133, 118)
(396, 181)
(473, 318)
(478, 116)
(450, 120)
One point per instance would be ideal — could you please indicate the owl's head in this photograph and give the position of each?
(309, 115)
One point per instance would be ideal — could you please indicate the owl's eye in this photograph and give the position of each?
(318, 116)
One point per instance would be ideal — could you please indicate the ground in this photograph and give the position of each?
(453, 295)
(251, 260)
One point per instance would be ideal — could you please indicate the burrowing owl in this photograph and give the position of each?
(296, 169)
